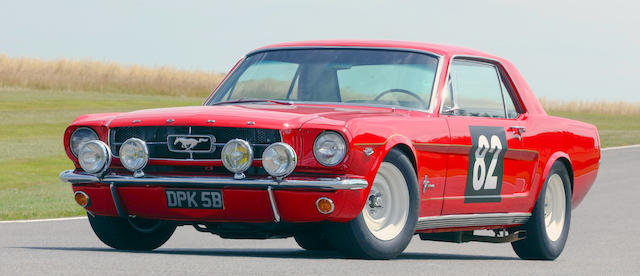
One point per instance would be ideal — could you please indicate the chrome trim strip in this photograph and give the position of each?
(215, 144)
(449, 221)
(148, 143)
(191, 160)
(321, 47)
(198, 181)
(272, 201)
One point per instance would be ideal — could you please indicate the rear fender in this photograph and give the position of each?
(547, 168)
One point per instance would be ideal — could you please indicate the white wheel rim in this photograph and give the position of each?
(555, 207)
(387, 207)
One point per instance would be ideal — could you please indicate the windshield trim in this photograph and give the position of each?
(436, 79)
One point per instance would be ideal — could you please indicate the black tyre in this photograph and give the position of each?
(548, 227)
(133, 234)
(387, 222)
(314, 240)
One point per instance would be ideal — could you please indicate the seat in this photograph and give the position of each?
(318, 83)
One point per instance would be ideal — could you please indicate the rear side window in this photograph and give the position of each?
(476, 89)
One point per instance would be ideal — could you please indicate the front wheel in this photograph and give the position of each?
(131, 234)
(314, 240)
(548, 227)
(387, 222)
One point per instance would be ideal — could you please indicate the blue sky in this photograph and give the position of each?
(565, 49)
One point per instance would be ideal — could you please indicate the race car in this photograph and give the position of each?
(351, 146)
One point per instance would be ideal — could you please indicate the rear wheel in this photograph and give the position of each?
(131, 234)
(548, 227)
(387, 222)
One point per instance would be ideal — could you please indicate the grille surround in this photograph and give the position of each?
(156, 139)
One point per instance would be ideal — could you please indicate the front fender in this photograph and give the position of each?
(382, 149)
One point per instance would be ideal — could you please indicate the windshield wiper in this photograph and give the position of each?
(253, 100)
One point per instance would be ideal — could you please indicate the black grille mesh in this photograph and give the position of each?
(156, 138)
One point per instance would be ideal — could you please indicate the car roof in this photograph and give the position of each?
(529, 100)
(439, 49)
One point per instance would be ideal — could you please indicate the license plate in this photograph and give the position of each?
(194, 199)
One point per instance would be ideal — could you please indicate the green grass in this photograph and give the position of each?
(614, 129)
(31, 150)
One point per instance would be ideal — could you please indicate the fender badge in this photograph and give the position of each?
(368, 151)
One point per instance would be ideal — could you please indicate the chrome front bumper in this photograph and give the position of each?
(190, 181)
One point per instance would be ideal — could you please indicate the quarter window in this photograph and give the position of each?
(476, 89)
(512, 112)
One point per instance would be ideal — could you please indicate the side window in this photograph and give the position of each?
(477, 90)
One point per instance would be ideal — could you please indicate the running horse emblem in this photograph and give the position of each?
(189, 143)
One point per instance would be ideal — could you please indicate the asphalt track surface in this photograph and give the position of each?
(604, 239)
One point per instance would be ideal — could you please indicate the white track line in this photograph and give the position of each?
(621, 147)
(42, 220)
(84, 217)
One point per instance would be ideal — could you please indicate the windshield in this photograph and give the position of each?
(355, 76)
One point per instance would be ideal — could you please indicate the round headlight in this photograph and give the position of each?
(134, 154)
(94, 156)
(79, 136)
(279, 159)
(329, 148)
(237, 155)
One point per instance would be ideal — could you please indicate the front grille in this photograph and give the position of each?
(156, 139)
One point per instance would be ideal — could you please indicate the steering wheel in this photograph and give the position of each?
(403, 91)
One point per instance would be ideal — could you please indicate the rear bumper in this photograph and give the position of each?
(246, 200)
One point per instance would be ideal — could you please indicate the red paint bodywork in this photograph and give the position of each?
(437, 144)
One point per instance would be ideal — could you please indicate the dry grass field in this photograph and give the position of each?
(593, 107)
(38, 99)
(86, 75)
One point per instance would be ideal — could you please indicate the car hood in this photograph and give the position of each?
(272, 116)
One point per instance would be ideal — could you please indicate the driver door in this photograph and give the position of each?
(489, 169)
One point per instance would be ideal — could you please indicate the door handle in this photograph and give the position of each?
(517, 131)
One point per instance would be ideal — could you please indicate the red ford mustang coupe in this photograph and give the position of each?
(352, 146)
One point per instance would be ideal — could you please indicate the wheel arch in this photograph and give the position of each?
(561, 157)
(396, 141)
(409, 153)
(569, 168)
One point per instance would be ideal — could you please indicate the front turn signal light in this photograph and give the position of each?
(82, 199)
(325, 205)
